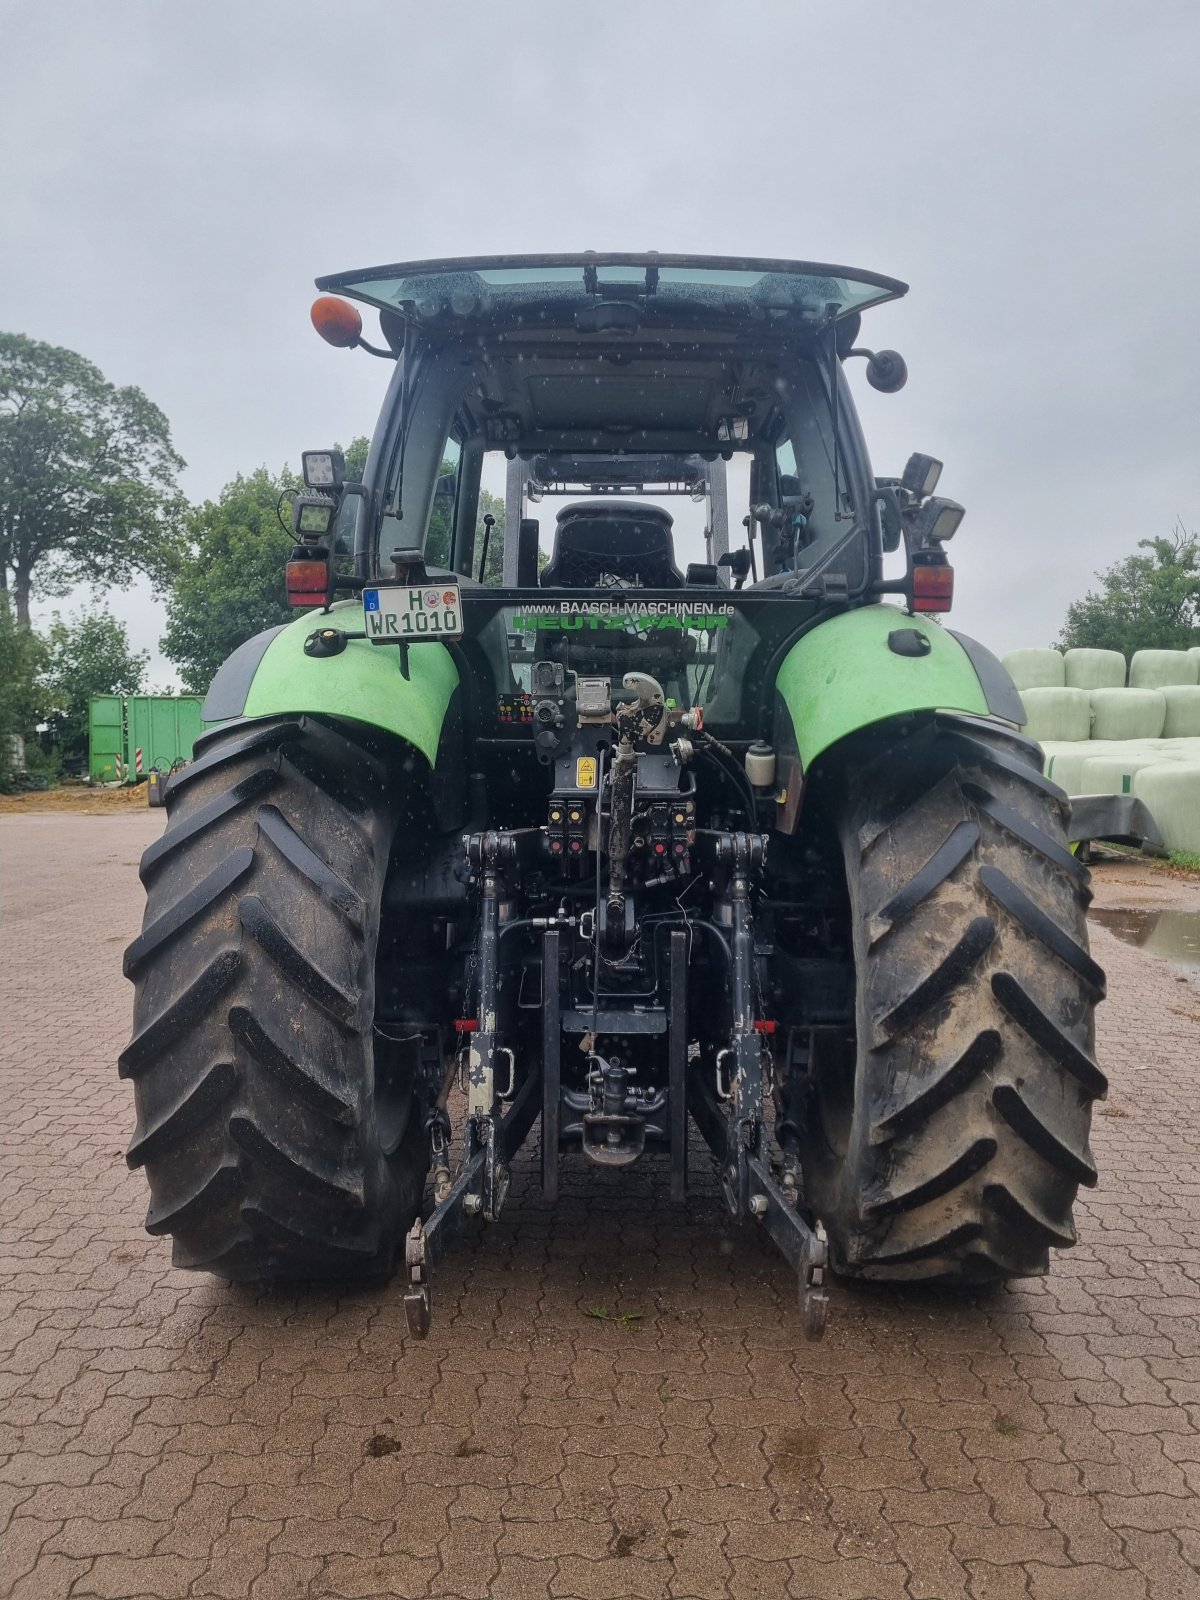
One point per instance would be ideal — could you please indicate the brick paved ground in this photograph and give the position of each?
(166, 1435)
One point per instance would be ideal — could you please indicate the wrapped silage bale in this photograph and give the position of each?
(1115, 774)
(1094, 669)
(1057, 714)
(1171, 789)
(1035, 669)
(1155, 669)
(1064, 764)
(1127, 713)
(1183, 711)
(1174, 749)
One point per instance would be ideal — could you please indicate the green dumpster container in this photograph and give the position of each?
(163, 728)
(106, 738)
(130, 734)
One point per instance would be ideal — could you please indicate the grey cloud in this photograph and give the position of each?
(176, 175)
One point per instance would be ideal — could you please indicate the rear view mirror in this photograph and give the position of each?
(891, 519)
(887, 371)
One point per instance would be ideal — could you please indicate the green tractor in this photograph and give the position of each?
(618, 821)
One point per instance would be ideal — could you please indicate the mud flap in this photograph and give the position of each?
(1119, 818)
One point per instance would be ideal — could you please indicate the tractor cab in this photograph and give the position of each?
(631, 377)
(690, 422)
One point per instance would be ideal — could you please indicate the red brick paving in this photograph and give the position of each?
(165, 1435)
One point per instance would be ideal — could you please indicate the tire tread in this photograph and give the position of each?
(252, 1048)
(966, 1136)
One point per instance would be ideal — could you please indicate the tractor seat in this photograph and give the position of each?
(612, 544)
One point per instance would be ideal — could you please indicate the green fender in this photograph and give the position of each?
(270, 674)
(845, 675)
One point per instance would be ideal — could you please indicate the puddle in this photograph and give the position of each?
(1174, 935)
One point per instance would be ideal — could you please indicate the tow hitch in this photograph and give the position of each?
(731, 1120)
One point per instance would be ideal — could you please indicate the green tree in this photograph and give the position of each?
(356, 457)
(87, 476)
(493, 572)
(230, 587)
(21, 656)
(1146, 602)
(88, 654)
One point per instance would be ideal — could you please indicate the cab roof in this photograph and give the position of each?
(561, 288)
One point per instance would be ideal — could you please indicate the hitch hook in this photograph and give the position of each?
(814, 1297)
(418, 1304)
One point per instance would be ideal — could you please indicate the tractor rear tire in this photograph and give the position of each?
(947, 1140)
(278, 1144)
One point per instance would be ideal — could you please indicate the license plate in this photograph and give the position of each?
(407, 615)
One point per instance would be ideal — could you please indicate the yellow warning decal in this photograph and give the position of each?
(585, 772)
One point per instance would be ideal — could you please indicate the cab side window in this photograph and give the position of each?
(445, 500)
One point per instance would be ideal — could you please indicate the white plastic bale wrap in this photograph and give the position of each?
(1127, 713)
(1155, 669)
(1171, 789)
(1170, 749)
(1094, 669)
(1183, 711)
(1036, 669)
(1115, 774)
(1064, 763)
(1056, 714)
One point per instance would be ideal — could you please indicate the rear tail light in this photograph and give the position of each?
(933, 585)
(308, 581)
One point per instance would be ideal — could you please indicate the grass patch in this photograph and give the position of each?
(1186, 862)
(627, 1319)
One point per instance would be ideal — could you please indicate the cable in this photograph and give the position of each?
(596, 912)
(734, 777)
(736, 767)
(702, 681)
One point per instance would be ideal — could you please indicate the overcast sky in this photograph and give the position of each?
(176, 173)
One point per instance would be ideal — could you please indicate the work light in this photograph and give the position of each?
(921, 474)
(937, 521)
(312, 515)
(323, 469)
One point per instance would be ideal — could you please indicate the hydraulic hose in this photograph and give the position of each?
(621, 810)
